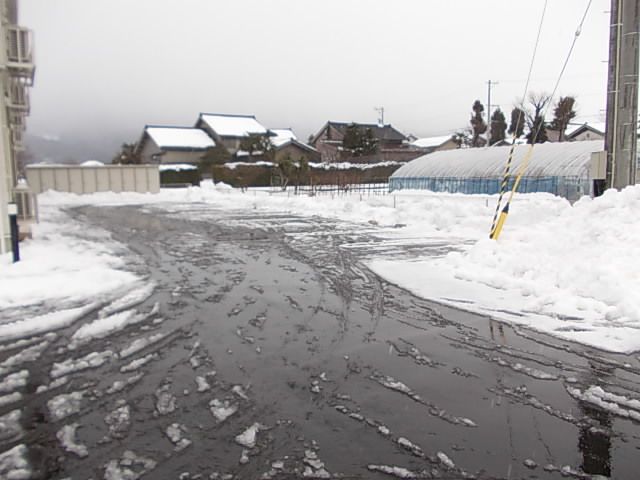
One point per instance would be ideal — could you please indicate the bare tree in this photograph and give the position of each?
(535, 117)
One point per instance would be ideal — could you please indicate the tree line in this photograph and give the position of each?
(529, 117)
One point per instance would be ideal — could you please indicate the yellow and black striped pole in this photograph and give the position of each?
(495, 232)
(503, 189)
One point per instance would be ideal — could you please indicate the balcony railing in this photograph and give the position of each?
(20, 51)
(18, 95)
(16, 140)
(17, 120)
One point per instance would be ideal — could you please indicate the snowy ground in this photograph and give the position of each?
(141, 358)
(570, 271)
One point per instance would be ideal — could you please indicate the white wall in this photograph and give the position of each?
(108, 178)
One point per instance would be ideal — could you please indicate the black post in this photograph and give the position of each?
(15, 237)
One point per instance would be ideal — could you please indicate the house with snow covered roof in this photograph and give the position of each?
(432, 144)
(585, 131)
(392, 144)
(168, 144)
(230, 130)
(287, 144)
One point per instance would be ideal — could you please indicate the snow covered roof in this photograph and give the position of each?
(548, 160)
(385, 133)
(599, 127)
(180, 137)
(282, 136)
(232, 125)
(430, 142)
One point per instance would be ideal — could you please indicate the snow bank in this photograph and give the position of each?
(43, 323)
(79, 263)
(572, 273)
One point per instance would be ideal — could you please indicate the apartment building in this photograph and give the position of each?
(17, 70)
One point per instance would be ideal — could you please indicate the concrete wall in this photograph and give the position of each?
(108, 178)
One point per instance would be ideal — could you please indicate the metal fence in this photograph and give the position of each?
(336, 190)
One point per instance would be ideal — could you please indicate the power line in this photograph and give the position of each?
(573, 44)
(535, 48)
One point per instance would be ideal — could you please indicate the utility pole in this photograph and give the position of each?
(622, 94)
(380, 111)
(490, 83)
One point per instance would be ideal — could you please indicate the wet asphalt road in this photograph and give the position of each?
(337, 370)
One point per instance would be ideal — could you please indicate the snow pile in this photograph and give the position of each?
(617, 404)
(222, 410)
(138, 363)
(394, 471)
(119, 420)
(43, 323)
(165, 400)
(79, 262)
(349, 165)
(10, 398)
(140, 344)
(67, 437)
(10, 426)
(64, 405)
(131, 299)
(234, 165)
(176, 167)
(14, 381)
(71, 365)
(558, 275)
(92, 163)
(176, 434)
(129, 467)
(248, 437)
(14, 464)
(102, 327)
(28, 354)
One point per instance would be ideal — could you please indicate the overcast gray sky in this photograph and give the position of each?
(111, 66)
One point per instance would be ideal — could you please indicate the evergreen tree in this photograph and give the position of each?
(285, 168)
(217, 155)
(302, 169)
(369, 143)
(357, 142)
(352, 139)
(516, 127)
(478, 125)
(563, 113)
(498, 127)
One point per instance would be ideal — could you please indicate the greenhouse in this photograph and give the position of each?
(567, 169)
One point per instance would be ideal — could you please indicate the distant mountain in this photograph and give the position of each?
(54, 149)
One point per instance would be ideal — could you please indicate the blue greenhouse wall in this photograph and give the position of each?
(570, 188)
